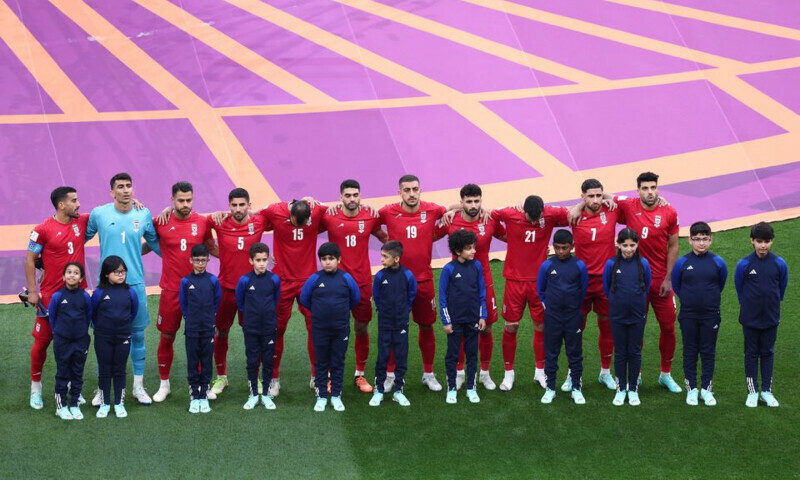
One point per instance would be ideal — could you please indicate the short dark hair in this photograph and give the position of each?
(329, 248)
(199, 250)
(393, 248)
(182, 186)
(700, 228)
(258, 247)
(408, 178)
(563, 236)
(120, 176)
(76, 264)
(459, 240)
(471, 190)
(589, 184)
(646, 177)
(762, 231)
(533, 206)
(238, 192)
(110, 264)
(349, 183)
(301, 211)
(60, 194)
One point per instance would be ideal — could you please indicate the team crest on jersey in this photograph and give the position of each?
(361, 226)
(251, 229)
(423, 217)
(603, 218)
(136, 226)
(194, 229)
(76, 230)
(481, 229)
(541, 222)
(658, 221)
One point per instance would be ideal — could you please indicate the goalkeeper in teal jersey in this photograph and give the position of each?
(121, 228)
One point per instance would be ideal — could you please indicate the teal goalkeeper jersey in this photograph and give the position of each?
(121, 234)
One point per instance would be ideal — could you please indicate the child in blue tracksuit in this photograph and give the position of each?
(562, 283)
(698, 279)
(761, 280)
(462, 301)
(114, 306)
(393, 291)
(330, 294)
(257, 295)
(626, 281)
(69, 314)
(199, 296)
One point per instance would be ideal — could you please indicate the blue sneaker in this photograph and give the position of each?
(691, 397)
(769, 399)
(119, 411)
(401, 399)
(752, 400)
(548, 396)
(102, 412)
(666, 381)
(619, 398)
(633, 398)
(577, 397)
(63, 413)
(266, 400)
(204, 406)
(607, 379)
(76, 413)
(251, 402)
(708, 398)
(321, 404)
(376, 400)
(36, 400)
(472, 396)
(337, 404)
(194, 406)
(451, 396)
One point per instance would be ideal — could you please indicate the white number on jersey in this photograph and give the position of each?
(240, 243)
(530, 236)
(123, 237)
(183, 244)
(411, 231)
(644, 232)
(70, 248)
(594, 233)
(350, 240)
(297, 234)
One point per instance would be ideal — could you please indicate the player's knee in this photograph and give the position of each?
(361, 328)
(222, 333)
(538, 326)
(426, 327)
(487, 330)
(511, 327)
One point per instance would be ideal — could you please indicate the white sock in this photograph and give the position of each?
(222, 376)
(36, 386)
(459, 372)
(510, 372)
(165, 383)
(359, 373)
(666, 373)
(539, 371)
(484, 372)
(603, 371)
(138, 381)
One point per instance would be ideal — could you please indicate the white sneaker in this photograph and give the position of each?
(97, 400)
(102, 412)
(141, 395)
(548, 396)
(578, 398)
(36, 400)
(486, 380)
(752, 400)
(63, 413)
(119, 411)
(163, 392)
(76, 413)
(321, 404)
(633, 399)
(81, 400)
(452, 396)
(472, 396)
(401, 399)
(376, 400)
(429, 380)
(460, 375)
(337, 404)
(539, 377)
(194, 406)
(388, 384)
(204, 406)
(708, 397)
(251, 402)
(619, 398)
(508, 381)
(769, 399)
(567, 385)
(691, 397)
(608, 380)
(266, 400)
(210, 395)
(274, 387)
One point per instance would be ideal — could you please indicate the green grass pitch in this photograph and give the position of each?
(507, 435)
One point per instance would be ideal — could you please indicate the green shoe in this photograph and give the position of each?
(219, 384)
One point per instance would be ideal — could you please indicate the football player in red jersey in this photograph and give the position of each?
(412, 222)
(595, 235)
(296, 226)
(59, 241)
(176, 237)
(657, 226)
(350, 228)
(528, 237)
(469, 218)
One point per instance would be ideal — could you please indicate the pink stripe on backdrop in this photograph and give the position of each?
(780, 85)
(20, 92)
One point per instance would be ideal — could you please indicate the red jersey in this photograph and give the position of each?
(294, 247)
(654, 228)
(352, 236)
(58, 244)
(595, 238)
(176, 238)
(528, 242)
(234, 241)
(416, 232)
(484, 233)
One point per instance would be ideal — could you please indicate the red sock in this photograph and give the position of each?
(276, 359)
(509, 349)
(666, 345)
(165, 355)
(220, 354)
(38, 356)
(310, 346)
(390, 363)
(460, 362)
(362, 350)
(606, 343)
(485, 347)
(427, 345)
(538, 348)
